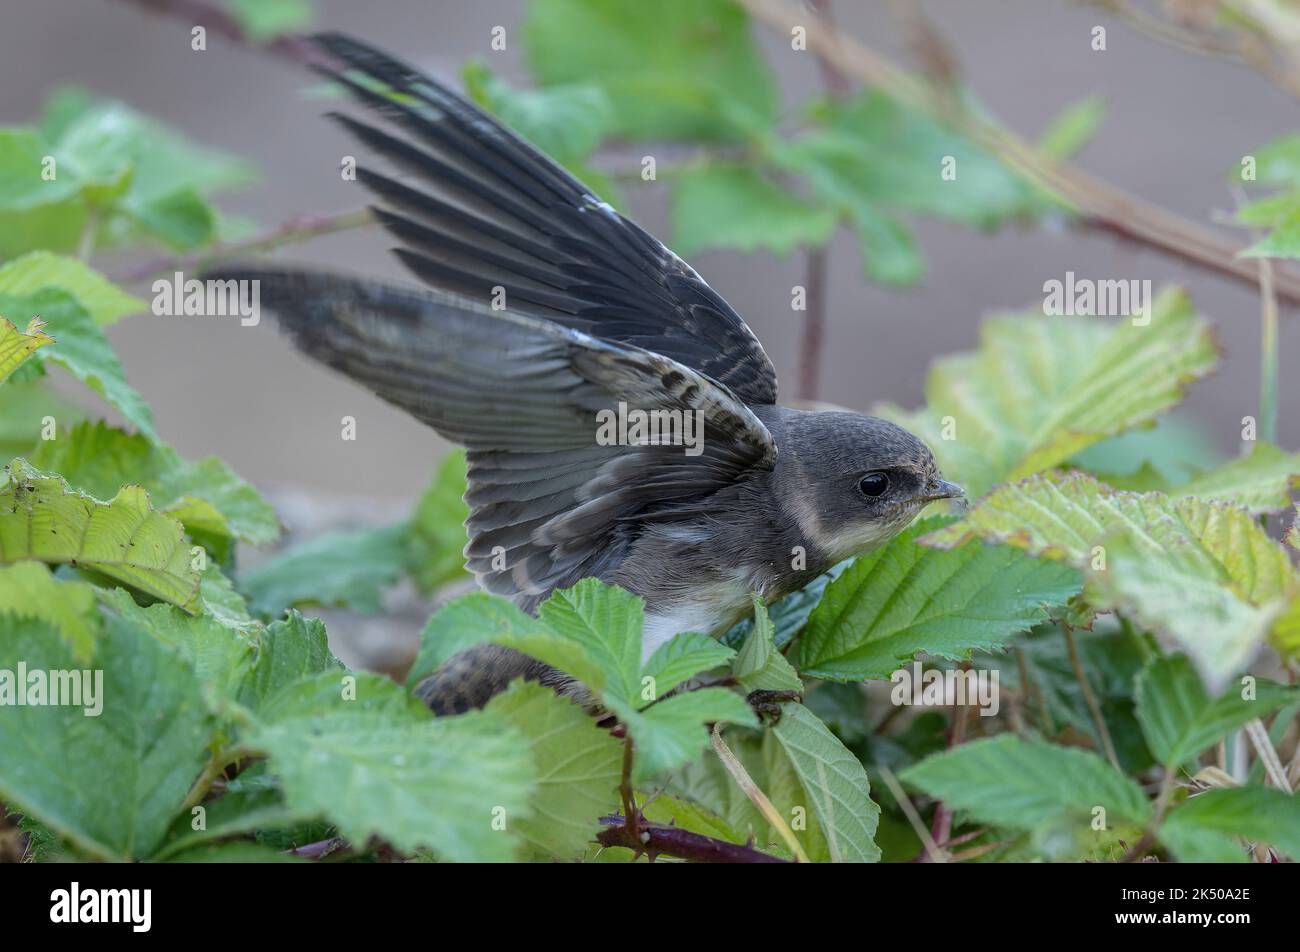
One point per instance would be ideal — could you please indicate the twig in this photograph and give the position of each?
(942, 829)
(1245, 49)
(1104, 206)
(290, 47)
(811, 341)
(1259, 738)
(816, 283)
(1089, 698)
(756, 796)
(302, 228)
(656, 840)
(932, 849)
(319, 849)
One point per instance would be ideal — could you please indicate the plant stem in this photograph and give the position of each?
(1089, 698)
(933, 850)
(302, 228)
(811, 341)
(756, 796)
(1102, 205)
(1268, 356)
(658, 840)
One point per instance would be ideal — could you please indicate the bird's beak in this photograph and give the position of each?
(942, 489)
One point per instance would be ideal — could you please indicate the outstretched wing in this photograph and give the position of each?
(483, 209)
(550, 502)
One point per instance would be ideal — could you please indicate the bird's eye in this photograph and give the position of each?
(873, 484)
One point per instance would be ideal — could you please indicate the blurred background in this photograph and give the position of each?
(1176, 124)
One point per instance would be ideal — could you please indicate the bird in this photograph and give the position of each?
(545, 331)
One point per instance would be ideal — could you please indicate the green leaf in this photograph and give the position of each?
(890, 254)
(681, 69)
(606, 621)
(26, 407)
(1180, 720)
(346, 569)
(124, 539)
(735, 207)
(578, 769)
(760, 666)
(1282, 242)
(381, 766)
(81, 348)
(264, 20)
(1260, 481)
(903, 599)
(16, 346)
(206, 496)
(679, 659)
(478, 618)
(565, 122)
(672, 732)
(869, 152)
(110, 783)
(1073, 129)
(1277, 162)
(435, 539)
(1040, 389)
(181, 219)
(99, 297)
(1022, 784)
(167, 180)
(219, 656)
(1204, 829)
(834, 784)
(288, 651)
(1204, 573)
(28, 590)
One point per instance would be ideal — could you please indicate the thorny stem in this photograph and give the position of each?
(1089, 698)
(655, 840)
(942, 829)
(1102, 205)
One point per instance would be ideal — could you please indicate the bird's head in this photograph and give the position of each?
(860, 481)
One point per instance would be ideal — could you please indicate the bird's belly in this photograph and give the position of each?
(711, 611)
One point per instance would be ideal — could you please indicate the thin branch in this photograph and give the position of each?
(302, 228)
(942, 829)
(656, 840)
(812, 340)
(932, 849)
(290, 47)
(1089, 698)
(1244, 49)
(319, 849)
(816, 265)
(1102, 205)
(1259, 738)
